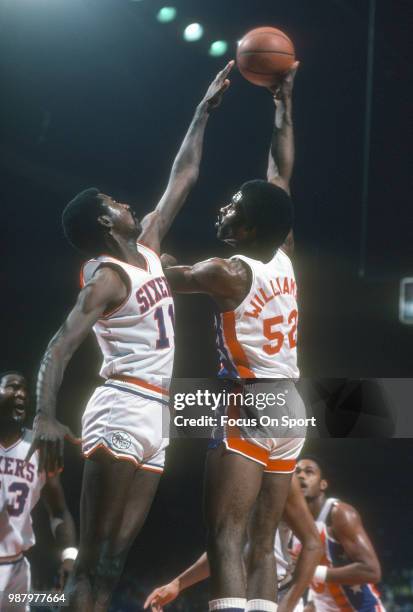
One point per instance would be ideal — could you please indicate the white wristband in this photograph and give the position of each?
(69, 553)
(320, 574)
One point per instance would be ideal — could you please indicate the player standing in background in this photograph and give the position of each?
(292, 581)
(127, 301)
(350, 567)
(251, 467)
(21, 486)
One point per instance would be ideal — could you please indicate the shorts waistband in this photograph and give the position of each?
(142, 384)
(11, 559)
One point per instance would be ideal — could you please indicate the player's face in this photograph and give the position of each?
(14, 398)
(231, 222)
(122, 216)
(309, 476)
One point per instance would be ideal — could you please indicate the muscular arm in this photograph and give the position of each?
(104, 291)
(185, 168)
(281, 154)
(349, 531)
(227, 281)
(299, 519)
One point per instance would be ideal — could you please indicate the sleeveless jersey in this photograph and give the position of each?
(259, 338)
(332, 597)
(20, 487)
(137, 338)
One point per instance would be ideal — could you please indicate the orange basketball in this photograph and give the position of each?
(263, 54)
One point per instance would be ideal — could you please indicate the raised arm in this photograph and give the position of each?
(185, 168)
(62, 525)
(104, 291)
(281, 155)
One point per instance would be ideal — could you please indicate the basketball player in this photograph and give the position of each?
(127, 301)
(345, 580)
(21, 486)
(255, 293)
(291, 582)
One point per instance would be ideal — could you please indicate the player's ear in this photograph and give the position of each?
(323, 484)
(106, 221)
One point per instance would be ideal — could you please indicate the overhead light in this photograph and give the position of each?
(193, 32)
(218, 48)
(166, 14)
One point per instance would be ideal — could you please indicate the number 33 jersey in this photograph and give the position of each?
(20, 487)
(259, 338)
(137, 338)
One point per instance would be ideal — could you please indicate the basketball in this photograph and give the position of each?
(264, 54)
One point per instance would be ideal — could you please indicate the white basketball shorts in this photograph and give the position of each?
(127, 424)
(14, 578)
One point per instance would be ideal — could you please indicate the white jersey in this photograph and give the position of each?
(259, 338)
(137, 338)
(20, 487)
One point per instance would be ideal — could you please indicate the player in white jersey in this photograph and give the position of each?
(125, 298)
(292, 578)
(255, 292)
(21, 486)
(345, 578)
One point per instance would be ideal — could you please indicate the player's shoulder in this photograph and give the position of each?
(219, 268)
(343, 515)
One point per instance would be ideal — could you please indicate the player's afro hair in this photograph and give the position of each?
(269, 209)
(80, 224)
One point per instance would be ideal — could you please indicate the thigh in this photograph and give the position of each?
(116, 498)
(232, 483)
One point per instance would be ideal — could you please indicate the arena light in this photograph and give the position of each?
(193, 32)
(166, 14)
(406, 301)
(218, 48)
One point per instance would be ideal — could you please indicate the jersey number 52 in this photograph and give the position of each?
(276, 336)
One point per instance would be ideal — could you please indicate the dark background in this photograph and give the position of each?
(99, 93)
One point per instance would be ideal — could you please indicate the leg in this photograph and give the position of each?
(231, 488)
(116, 498)
(261, 566)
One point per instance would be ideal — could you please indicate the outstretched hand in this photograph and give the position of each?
(48, 439)
(283, 88)
(218, 87)
(162, 596)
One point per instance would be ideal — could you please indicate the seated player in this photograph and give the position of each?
(292, 581)
(21, 486)
(350, 567)
(256, 296)
(126, 300)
